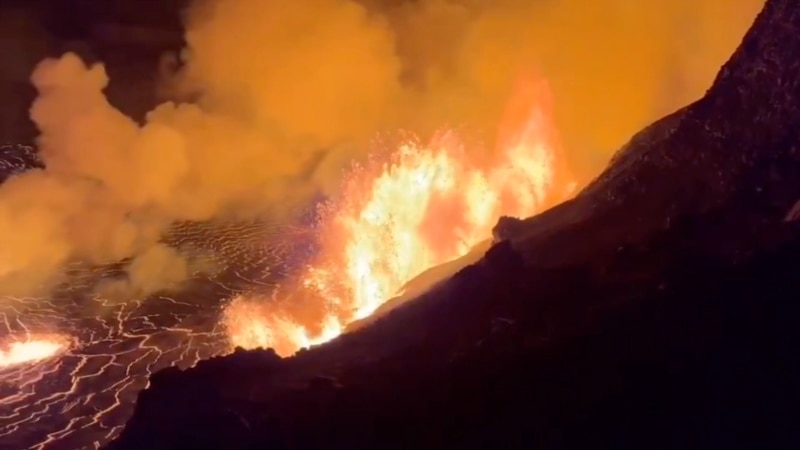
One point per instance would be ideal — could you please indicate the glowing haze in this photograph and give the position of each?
(285, 94)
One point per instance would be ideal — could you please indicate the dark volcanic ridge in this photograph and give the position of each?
(657, 309)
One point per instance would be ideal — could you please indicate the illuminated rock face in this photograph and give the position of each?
(649, 312)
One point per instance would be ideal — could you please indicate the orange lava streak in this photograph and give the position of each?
(30, 350)
(422, 206)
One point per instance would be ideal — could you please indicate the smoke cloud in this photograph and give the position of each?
(283, 94)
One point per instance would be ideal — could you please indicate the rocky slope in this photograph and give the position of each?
(655, 310)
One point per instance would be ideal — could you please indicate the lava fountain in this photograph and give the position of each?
(30, 350)
(403, 212)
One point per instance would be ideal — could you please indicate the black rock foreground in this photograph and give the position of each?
(658, 309)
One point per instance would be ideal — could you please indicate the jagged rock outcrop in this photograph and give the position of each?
(657, 309)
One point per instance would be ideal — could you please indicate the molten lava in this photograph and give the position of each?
(398, 215)
(30, 350)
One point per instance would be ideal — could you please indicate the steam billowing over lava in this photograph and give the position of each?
(280, 101)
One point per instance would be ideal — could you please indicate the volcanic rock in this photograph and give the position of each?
(657, 309)
(15, 158)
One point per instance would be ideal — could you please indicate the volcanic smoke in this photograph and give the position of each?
(275, 114)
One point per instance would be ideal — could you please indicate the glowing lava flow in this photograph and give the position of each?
(82, 397)
(422, 206)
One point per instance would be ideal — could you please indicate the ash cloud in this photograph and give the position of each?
(285, 93)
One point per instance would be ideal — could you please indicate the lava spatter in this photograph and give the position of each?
(411, 208)
(30, 350)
